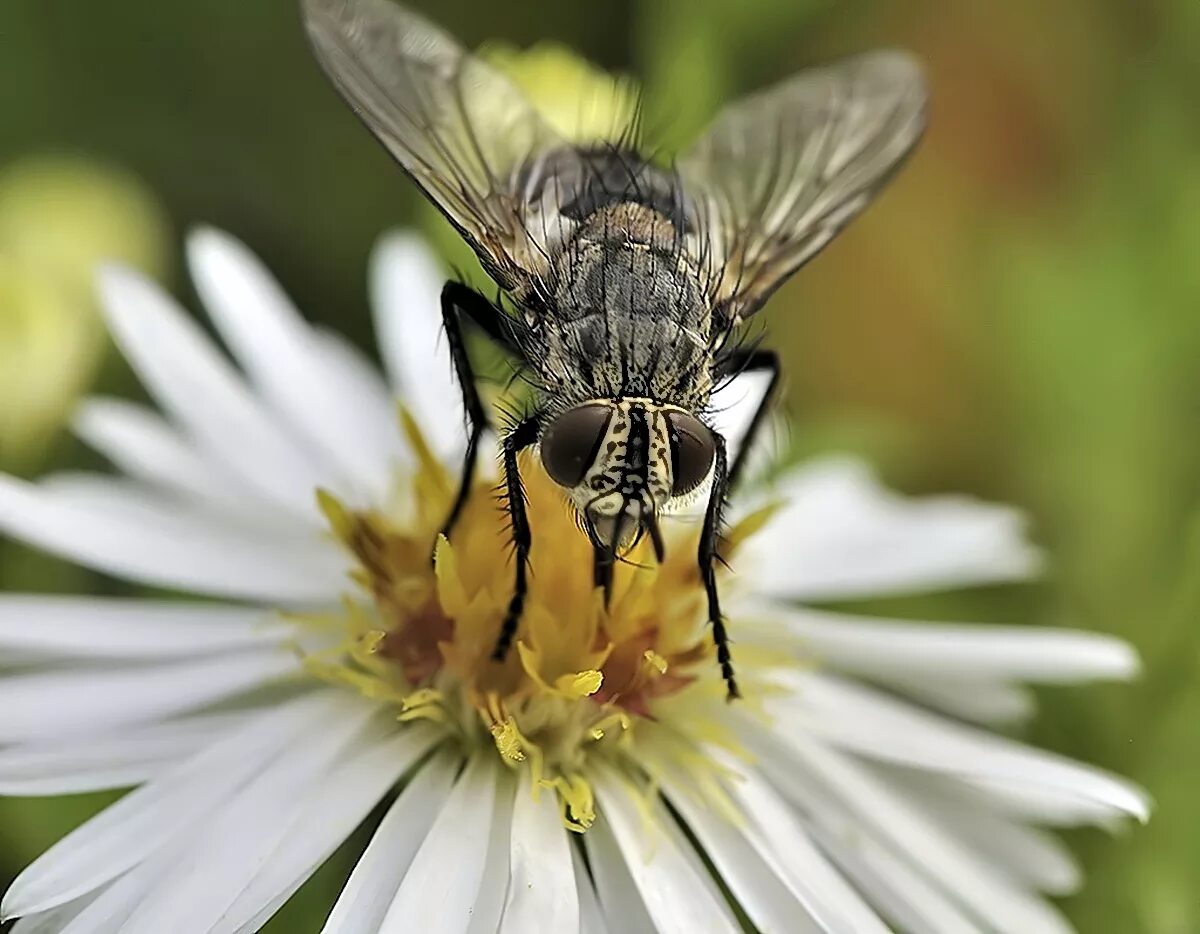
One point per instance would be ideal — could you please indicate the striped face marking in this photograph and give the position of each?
(624, 462)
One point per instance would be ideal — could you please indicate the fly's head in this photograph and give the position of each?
(624, 462)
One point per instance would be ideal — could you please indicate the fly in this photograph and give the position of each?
(629, 280)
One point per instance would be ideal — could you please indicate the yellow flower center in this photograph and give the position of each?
(583, 680)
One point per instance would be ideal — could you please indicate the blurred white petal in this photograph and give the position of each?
(961, 652)
(876, 726)
(406, 288)
(1050, 806)
(107, 909)
(877, 809)
(375, 403)
(63, 627)
(731, 410)
(890, 881)
(46, 704)
(839, 534)
(116, 758)
(1029, 855)
(190, 379)
(287, 364)
(107, 527)
(144, 446)
(980, 700)
(54, 921)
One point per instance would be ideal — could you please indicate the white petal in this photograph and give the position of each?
(542, 894)
(880, 727)
(324, 820)
(47, 922)
(890, 882)
(231, 849)
(882, 647)
(493, 886)
(839, 534)
(677, 892)
(376, 403)
(591, 920)
(406, 287)
(141, 444)
(764, 898)
(783, 842)
(1047, 806)
(364, 901)
(1029, 855)
(53, 921)
(622, 905)
(110, 529)
(43, 706)
(285, 362)
(963, 669)
(731, 410)
(150, 817)
(108, 909)
(57, 627)
(884, 876)
(438, 893)
(976, 699)
(117, 759)
(875, 808)
(188, 377)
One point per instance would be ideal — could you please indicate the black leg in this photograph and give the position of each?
(456, 300)
(707, 556)
(749, 361)
(505, 330)
(602, 570)
(521, 437)
(724, 479)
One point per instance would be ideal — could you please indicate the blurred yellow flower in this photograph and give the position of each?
(59, 218)
(579, 101)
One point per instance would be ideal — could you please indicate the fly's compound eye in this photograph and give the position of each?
(692, 452)
(572, 441)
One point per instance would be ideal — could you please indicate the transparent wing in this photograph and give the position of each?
(779, 173)
(461, 130)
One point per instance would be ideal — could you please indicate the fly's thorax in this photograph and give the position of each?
(630, 259)
(630, 320)
(624, 461)
(632, 222)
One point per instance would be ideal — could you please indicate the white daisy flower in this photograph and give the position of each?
(595, 781)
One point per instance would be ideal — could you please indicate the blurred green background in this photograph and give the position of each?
(1018, 316)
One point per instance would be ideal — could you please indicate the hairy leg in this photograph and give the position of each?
(457, 300)
(707, 557)
(520, 438)
(602, 570)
